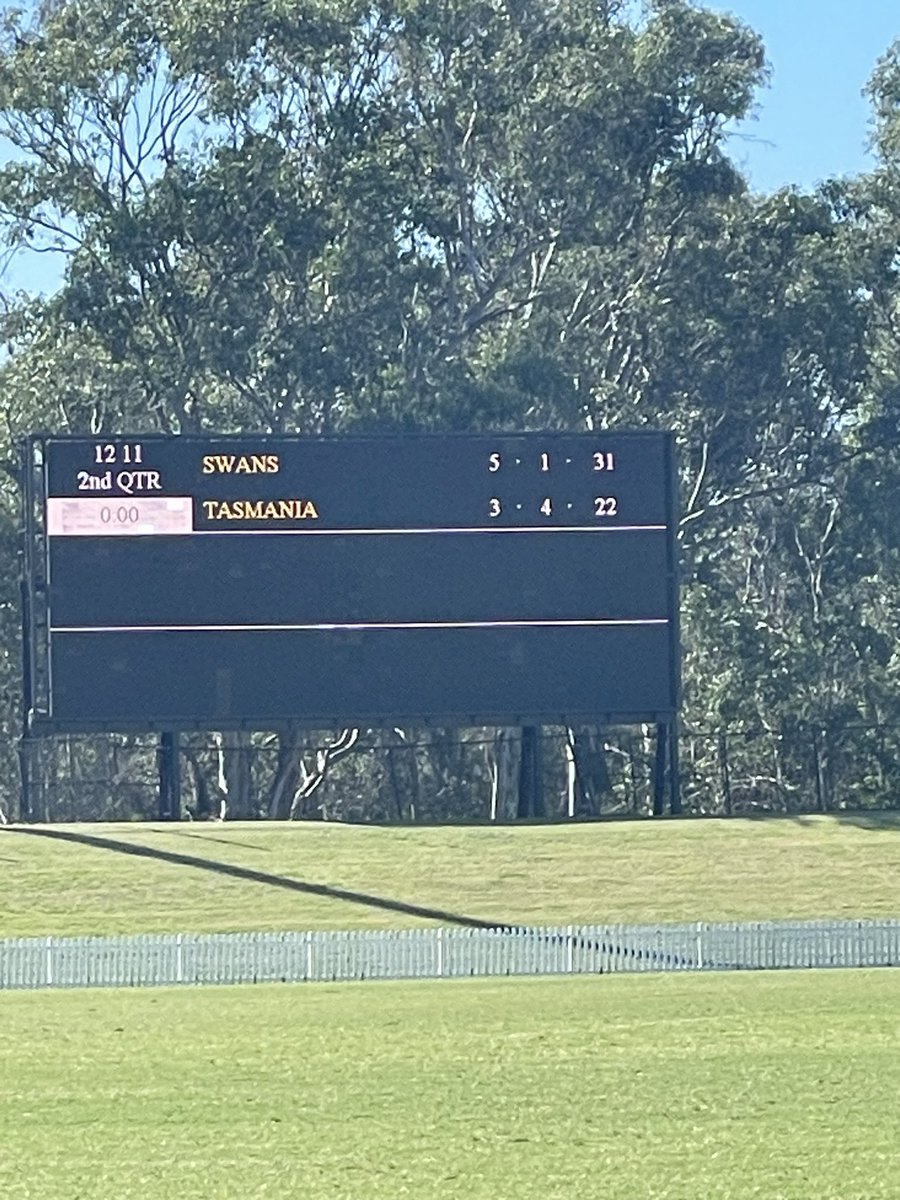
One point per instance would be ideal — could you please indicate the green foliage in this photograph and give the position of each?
(312, 221)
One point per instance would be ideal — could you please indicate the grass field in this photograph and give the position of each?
(684, 1087)
(780, 1086)
(625, 871)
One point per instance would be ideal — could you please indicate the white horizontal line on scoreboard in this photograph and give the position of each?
(146, 516)
(363, 626)
(439, 529)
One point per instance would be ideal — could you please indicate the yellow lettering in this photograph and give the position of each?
(243, 464)
(260, 510)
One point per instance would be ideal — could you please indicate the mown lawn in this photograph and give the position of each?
(625, 871)
(619, 1088)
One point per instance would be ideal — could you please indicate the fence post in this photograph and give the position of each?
(54, 962)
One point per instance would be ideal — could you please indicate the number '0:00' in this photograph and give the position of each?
(123, 515)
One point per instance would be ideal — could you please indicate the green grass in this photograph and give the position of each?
(626, 871)
(778, 1086)
(619, 1088)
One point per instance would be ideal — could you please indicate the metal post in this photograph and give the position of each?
(674, 769)
(26, 801)
(169, 778)
(725, 770)
(817, 767)
(659, 770)
(26, 793)
(531, 774)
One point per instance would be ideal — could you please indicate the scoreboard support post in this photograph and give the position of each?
(660, 765)
(531, 773)
(169, 777)
(674, 770)
(24, 749)
(26, 802)
(33, 614)
(667, 770)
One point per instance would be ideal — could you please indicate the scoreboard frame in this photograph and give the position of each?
(60, 575)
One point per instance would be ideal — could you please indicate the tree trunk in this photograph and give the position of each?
(235, 777)
(201, 807)
(312, 777)
(403, 769)
(287, 775)
(592, 780)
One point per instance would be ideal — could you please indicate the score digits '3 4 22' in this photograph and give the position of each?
(564, 470)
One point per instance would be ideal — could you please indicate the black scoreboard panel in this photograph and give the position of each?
(260, 581)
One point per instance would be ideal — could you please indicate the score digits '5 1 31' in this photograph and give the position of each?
(560, 468)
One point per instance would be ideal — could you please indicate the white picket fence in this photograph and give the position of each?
(446, 952)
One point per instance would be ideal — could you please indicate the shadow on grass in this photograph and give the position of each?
(878, 821)
(249, 875)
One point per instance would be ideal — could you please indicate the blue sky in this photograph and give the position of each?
(811, 122)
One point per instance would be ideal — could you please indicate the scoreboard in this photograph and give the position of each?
(259, 581)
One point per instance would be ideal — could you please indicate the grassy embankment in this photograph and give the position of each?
(560, 874)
